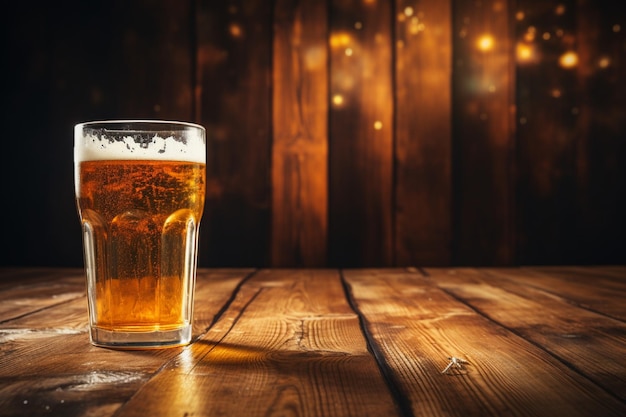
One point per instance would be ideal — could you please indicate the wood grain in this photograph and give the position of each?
(316, 342)
(300, 134)
(546, 152)
(289, 345)
(233, 97)
(22, 293)
(416, 326)
(340, 133)
(483, 91)
(361, 134)
(423, 133)
(588, 290)
(54, 369)
(548, 319)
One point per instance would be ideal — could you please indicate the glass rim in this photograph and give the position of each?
(139, 139)
(168, 124)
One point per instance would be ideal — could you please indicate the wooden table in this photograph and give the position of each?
(545, 341)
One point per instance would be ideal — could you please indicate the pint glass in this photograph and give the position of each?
(140, 189)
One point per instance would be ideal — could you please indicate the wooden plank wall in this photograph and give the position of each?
(341, 132)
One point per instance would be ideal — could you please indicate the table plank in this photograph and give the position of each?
(24, 291)
(591, 344)
(288, 345)
(540, 341)
(603, 292)
(416, 325)
(52, 367)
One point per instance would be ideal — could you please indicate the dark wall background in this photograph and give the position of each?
(341, 132)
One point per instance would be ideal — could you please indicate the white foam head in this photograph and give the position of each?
(139, 140)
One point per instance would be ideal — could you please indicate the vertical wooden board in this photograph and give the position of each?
(548, 116)
(423, 128)
(300, 134)
(483, 142)
(361, 133)
(600, 133)
(233, 102)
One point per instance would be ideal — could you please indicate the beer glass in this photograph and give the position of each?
(140, 190)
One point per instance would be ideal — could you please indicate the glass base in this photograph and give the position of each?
(140, 340)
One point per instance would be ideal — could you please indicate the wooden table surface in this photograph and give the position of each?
(547, 341)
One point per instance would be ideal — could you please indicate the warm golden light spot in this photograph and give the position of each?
(524, 52)
(341, 39)
(235, 30)
(485, 43)
(604, 62)
(378, 125)
(616, 28)
(519, 15)
(556, 93)
(408, 11)
(358, 25)
(491, 88)
(416, 26)
(546, 36)
(559, 33)
(568, 60)
(349, 51)
(498, 6)
(560, 9)
(337, 99)
(462, 33)
(529, 36)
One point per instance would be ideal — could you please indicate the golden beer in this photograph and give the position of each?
(140, 222)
